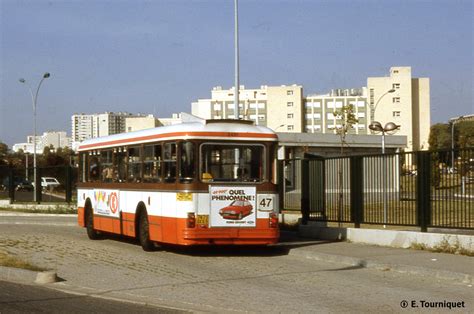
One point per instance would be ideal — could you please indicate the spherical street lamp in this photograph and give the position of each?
(389, 128)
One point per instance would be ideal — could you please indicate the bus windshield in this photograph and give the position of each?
(232, 162)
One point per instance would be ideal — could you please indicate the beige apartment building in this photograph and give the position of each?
(398, 98)
(404, 100)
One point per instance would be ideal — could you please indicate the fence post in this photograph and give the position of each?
(423, 189)
(357, 190)
(281, 187)
(11, 185)
(68, 182)
(38, 187)
(305, 191)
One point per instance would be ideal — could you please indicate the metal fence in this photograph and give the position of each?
(55, 184)
(425, 189)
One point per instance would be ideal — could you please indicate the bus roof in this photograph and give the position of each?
(207, 129)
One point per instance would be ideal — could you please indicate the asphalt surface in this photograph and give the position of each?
(21, 298)
(27, 196)
(298, 275)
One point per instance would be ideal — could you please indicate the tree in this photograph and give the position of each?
(3, 153)
(347, 119)
(440, 136)
(465, 134)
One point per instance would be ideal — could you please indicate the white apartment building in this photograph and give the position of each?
(52, 138)
(277, 107)
(85, 126)
(320, 110)
(285, 109)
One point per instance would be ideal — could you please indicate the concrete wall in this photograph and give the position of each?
(391, 238)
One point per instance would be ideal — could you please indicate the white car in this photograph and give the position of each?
(49, 183)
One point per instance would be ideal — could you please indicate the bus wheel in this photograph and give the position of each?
(91, 233)
(144, 233)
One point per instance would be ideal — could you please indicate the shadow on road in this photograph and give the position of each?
(288, 240)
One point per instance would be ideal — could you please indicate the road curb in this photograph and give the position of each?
(18, 274)
(373, 264)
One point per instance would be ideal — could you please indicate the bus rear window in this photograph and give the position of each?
(232, 163)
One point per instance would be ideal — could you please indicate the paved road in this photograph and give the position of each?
(20, 298)
(215, 279)
(27, 196)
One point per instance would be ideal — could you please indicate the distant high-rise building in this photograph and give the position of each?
(86, 126)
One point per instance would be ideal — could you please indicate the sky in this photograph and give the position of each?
(159, 56)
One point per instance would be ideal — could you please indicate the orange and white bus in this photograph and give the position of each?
(209, 182)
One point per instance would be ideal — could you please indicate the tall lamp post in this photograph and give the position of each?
(34, 99)
(236, 56)
(389, 128)
(372, 109)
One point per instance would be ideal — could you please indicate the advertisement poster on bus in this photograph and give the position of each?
(233, 206)
(106, 202)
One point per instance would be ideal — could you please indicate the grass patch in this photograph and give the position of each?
(55, 210)
(11, 261)
(443, 247)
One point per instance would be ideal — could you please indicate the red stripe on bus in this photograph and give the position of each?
(158, 136)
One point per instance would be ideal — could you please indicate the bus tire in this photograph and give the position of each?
(91, 232)
(144, 232)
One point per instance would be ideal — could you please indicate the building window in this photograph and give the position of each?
(289, 116)
(372, 97)
(396, 100)
(290, 127)
(396, 85)
(289, 104)
(396, 113)
(289, 92)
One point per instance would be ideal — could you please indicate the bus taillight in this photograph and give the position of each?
(273, 220)
(191, 221)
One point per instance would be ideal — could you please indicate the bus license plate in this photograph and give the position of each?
(203, 220)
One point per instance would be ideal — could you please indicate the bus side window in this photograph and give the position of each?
(134, 164)
(106, 165)
(94, 168)
(82, 167)
(187, 166)
(152, 163)
(169, 160)
(120, 173)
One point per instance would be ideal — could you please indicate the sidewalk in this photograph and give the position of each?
(445, 266)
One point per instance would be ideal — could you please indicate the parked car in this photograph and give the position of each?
(236, 210)
(20, 184)
(48, 183)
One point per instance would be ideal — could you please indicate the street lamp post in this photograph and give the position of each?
(453, 122)
(236, 56)
(389, 128)
(34, 99)
(373, 108)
